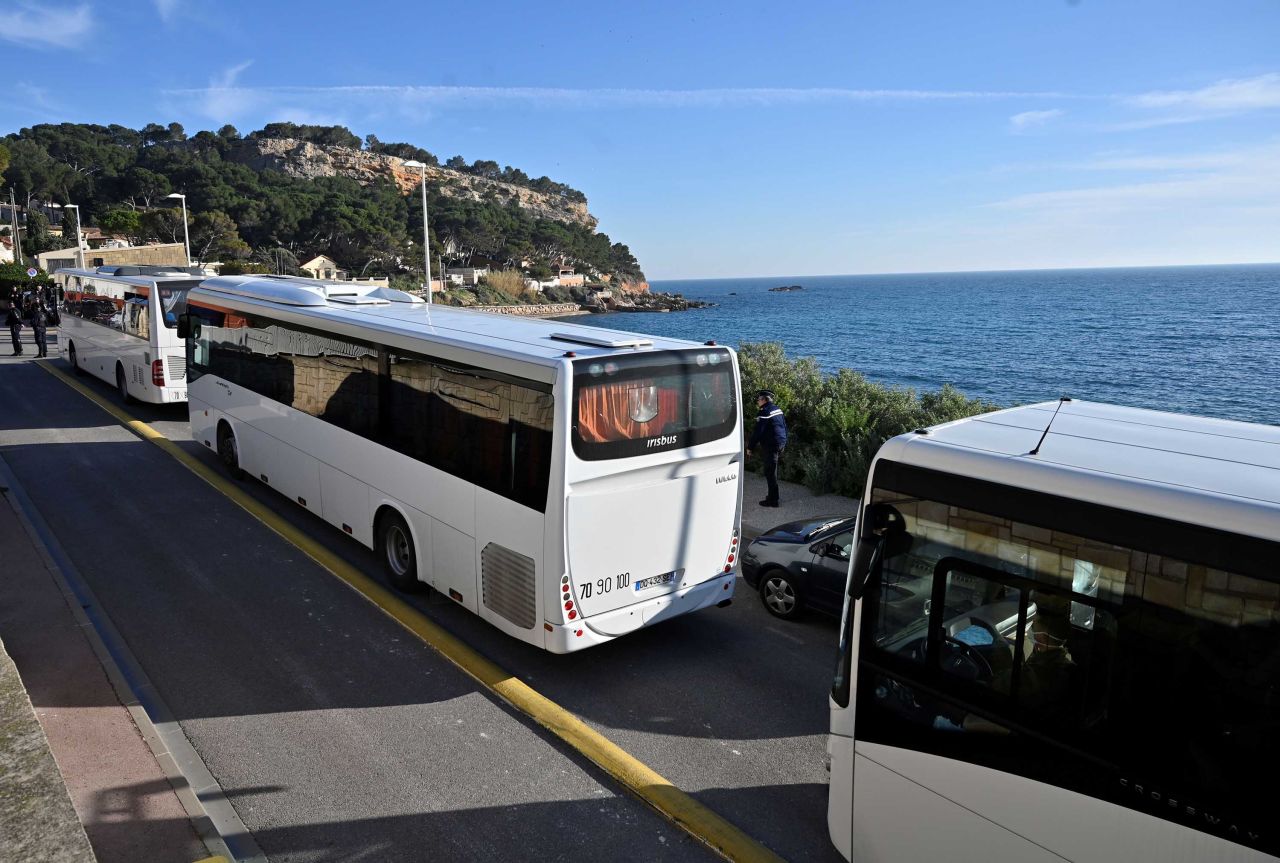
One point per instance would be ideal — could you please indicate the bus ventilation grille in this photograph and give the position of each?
(177, 368)
(507, 582)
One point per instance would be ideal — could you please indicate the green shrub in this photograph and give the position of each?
(837, 422)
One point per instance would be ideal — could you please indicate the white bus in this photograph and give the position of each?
(566, 483)
(119, 324)
(1063, 646)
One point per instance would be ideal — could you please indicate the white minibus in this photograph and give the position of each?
(1062, 642)
(566, 483)
(119, 324)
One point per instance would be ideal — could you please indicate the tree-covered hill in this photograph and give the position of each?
(121, 178)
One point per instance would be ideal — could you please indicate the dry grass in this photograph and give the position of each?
(507, 282)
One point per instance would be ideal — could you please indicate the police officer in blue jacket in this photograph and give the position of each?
(770, 436)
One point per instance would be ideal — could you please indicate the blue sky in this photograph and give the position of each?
(746, 138)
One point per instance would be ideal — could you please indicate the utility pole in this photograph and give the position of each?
(426, 236)
(17, 240)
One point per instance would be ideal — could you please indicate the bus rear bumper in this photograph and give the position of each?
(604, 627)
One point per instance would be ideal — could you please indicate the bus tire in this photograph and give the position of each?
(779, 593)
(396, 552)
(122, 384)
(74, 360)
(229, 451)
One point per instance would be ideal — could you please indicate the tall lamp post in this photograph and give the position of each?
(186, 237)
(79, 239)
(426, 241)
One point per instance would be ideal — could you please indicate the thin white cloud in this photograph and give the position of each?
(1225, 98)
(1240, 94)
(1028, 120)
(1187, 162)
(33, 100)
(167, 9)
(1234, 179)
(29, 24)
(617, 97)
(222, 100)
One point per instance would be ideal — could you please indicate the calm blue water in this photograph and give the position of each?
(1203, 340)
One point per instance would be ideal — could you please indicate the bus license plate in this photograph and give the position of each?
(655, 580)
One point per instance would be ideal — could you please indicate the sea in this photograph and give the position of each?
(1198, 339)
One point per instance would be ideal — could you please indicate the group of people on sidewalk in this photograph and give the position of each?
(40, 317)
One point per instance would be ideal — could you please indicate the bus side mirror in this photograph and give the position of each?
(188, 327)
(889, 538)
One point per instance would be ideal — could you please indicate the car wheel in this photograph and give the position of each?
(122, 385)
(229, 452)
(74, 360)
(399, 558)
(779, 593)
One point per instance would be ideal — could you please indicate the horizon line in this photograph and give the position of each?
(969, 272)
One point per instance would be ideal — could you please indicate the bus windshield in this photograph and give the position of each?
(632, 405)
(173, 300)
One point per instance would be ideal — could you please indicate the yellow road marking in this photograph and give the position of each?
(691, 816)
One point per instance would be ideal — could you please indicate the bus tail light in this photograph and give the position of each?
(732, 554)
(157, 373)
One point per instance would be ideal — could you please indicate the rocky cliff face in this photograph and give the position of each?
(304, 159)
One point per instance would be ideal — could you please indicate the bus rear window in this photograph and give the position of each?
(627, 406)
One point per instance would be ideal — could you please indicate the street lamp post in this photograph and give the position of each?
(186, 237)
(426, 241)
(79, 239)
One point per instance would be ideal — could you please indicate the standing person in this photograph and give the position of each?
(39, 321)
(771, 436)
(13, 321)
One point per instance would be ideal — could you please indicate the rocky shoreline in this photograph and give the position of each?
(645, 302)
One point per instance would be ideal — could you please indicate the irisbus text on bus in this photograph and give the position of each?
(1063, 645)
(566, 483)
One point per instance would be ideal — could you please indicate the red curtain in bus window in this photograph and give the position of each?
(604, 412)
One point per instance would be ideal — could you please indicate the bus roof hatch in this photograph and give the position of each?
(604, 340)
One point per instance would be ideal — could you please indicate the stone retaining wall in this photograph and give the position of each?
(545, 310)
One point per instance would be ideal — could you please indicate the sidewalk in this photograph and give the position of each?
(796, 502)
(127, 806)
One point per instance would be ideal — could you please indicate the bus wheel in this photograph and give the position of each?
(75, 361)
(122, 385)
(228, 452)
(781, 599)
(395, 548)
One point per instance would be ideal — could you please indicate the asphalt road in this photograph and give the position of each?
(338, 736)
